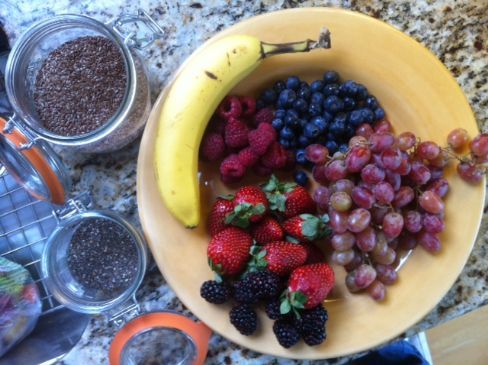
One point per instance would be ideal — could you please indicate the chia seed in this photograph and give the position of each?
(102, 255)
(80, 85)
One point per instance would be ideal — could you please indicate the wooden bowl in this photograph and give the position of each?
(418, 94)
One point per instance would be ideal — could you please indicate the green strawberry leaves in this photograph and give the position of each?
(242, 213)
(314, 227)
(216, 268)
(275, 193)
(258, 261)
(227, 197)
(292, 302)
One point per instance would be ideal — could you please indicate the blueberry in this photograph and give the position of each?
(317, 86)
(349, 88)
(269, 96)
(329, 136)
(286, 98)
(349, 103)
(285, 143)
(379, 113)
(356, 118)
(280, 113)
(300, 157)
(337, 128)
(291, 122)
(301, 178)
(331, 146)
(260, 104)
(330, 89)
(321, 124)
(361, 92)
(302, 122)
(327, 116)
(277, 124)
(350, 131)
(333, 104)
(292, 143)
(367, 115)
(304, 92)
(341, 117)
(311, 131)
(293, 82)
(343, 148)
(279, 86)
(371, 102)
(317, 98)
(292, 113)
(300, 105)
(331, 77)
(303, 141)
(287, 133)
(315, 109)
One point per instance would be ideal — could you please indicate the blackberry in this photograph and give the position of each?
(214, 292)
(244, 292)
(244, 319)
(315, 337)
(311, 325)
(286, 334)
(265, 284)
(272, 310)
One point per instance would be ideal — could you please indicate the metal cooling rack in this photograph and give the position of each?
(25, 225)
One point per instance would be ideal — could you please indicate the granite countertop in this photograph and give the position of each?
(456, 31)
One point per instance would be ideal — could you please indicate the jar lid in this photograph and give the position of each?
(160, 338)
(33, 164)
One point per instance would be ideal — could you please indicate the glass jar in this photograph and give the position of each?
(32, 48)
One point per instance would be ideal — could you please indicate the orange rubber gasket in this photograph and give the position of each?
(199, 333)
(40, 164)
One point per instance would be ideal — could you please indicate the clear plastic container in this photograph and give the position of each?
(37, 42)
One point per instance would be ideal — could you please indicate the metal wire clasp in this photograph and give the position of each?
(78, 204)
(131, 38)
(126, 312)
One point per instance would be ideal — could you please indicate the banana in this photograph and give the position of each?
(192, 99)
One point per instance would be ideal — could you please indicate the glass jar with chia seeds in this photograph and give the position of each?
(76, 82)
(94, 261)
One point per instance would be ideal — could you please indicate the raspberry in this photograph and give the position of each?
(290, 160)
(244, 319)
(261, 138)
(230, 107)
(236, 133)
(248, 105)
(231, 169)
(261, 170)
(213, 147)
(247, 157)
(265, 115)
(217, 125)
(214, 292)
(275, 157)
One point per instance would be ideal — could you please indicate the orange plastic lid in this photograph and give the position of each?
(196, 333)
(50, 186)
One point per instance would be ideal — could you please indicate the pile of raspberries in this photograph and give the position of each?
(245, 139)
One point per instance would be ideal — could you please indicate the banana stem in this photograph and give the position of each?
(269, 49)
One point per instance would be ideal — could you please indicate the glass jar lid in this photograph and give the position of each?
(33, 164)
(160, 338)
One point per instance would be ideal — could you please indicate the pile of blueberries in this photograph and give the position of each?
(326, 112)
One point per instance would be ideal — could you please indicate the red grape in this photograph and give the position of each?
(439, 186)
(420, 174)
(393, 243)
(479, 145)
(336, 170)
(441, 160)
(405, 167)
(394, 179)
(428, 150)
(380, 142)
(383, 192)
(342, 257)
(386, 274)
(433, 223)
(431, 202)
(366, 240)
(408, 241)
(364, 275)
(413, 221)
(340, 201)
(406, 140)
(317, 154)
(387, 259)
(343, 241)
(381, 244)
(357, 158)
(358, 220)
(378, 213)
(376, 159)
(393, 224)
(429, 241)
(391, 158)
(470, 172)
(343, 185)
(458, 138)
(383, 127)
(321, 197)
(355, 262)
(358, 141)
(403, 197)
(377, 291)
(318, 173)
(436, 173)
(351, 282)
(372, 174)
(338, 221)
(362, 197)
(364, 130)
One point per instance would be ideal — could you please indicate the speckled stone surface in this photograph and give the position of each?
(456, 31)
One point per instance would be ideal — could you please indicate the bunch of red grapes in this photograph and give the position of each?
(384, 195)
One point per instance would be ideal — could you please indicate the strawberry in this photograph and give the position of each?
(228, 251)
(288, 198)
(267, 230)
(314, 254)
(307, 227)
(250, 206)
(308, 286)
(222, 207)
(279, 257)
